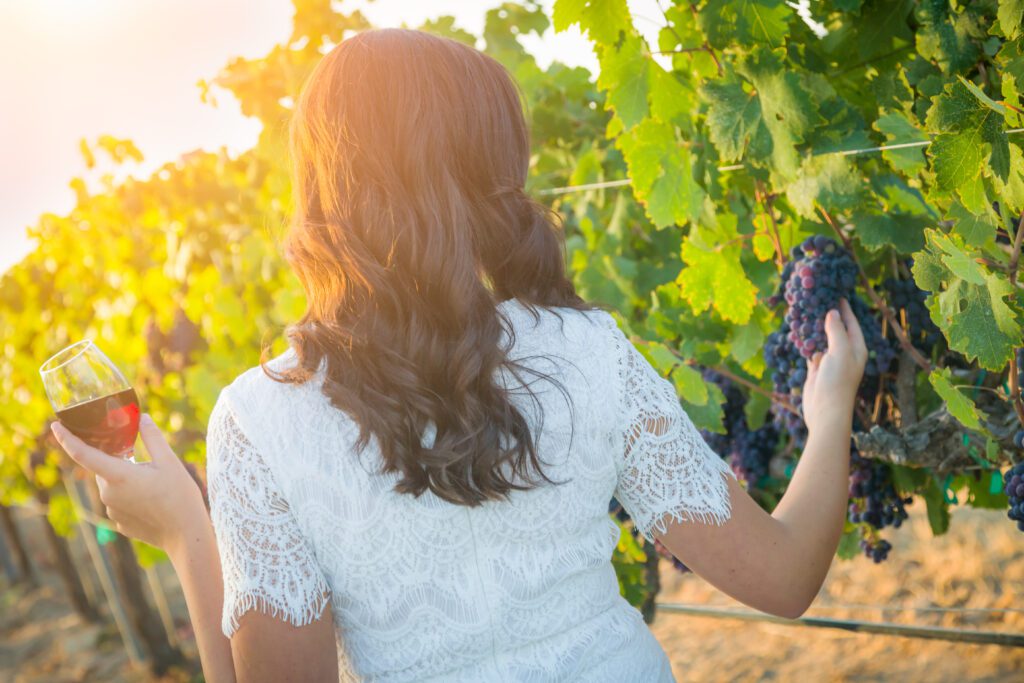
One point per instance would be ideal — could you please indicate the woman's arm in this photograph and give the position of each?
(194, 556)
(777, 562)
(158, 502)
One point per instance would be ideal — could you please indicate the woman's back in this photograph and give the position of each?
(423, 589)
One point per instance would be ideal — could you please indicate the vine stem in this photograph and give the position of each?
(1015, 397)
(897, 329)
(768, 203)
(756, 388)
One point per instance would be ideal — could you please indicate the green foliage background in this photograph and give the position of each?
(178, 276)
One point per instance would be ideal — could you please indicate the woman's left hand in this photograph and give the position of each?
(157, 502)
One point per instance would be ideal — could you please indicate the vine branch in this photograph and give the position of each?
(1015, 397)
(897, 329)
(756, 388)
(767, 202)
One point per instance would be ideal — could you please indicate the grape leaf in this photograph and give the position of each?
(625, 76)
(601, 20)
(1011, 17)
(669, 98)
(716, 276)
(830, 180)
(904, 232)
(1011, 192)
(969, 135)
(973, 314)
(661, 171)
(734, 120)
(660, 356)
(938, 508)
(976, 229)
(746, 21)
(707, 416)
(961, 263)
(787, 109)
(746, 341)
(944, 38)
(690, 385)
(898, 129)
(959, 406)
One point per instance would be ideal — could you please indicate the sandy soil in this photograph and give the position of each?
(978, 564)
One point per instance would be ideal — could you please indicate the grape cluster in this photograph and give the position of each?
(747, 451)
(875, 548)
(819, 274)
(1013, 484)
(875, 500)
(751, 451)
(906, 296)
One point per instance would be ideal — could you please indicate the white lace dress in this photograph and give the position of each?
(423, 590)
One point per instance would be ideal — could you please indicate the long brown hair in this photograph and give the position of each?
(410, 154)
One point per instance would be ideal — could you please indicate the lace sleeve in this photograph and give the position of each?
(667, 471)
(266, 562)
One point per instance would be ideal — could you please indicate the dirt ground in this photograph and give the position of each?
(978, 564)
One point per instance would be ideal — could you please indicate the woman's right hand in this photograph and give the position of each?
(833, 377)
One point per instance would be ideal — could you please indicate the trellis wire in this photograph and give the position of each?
(736, 167)
(874, 627)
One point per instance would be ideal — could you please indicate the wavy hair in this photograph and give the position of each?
(410, 154)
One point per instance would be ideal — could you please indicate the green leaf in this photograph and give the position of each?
(986, 491)
(709, 415)
(669, 97)
(661, 170)
(716, 277)
(1011, 192)
(601, 20)
(690, 385)
(726, 22)
(970, 134)
(975, 229)
(904, 232)
(625, 76)
(849, 544)
(938, 508)
(969, 303)
(898, 129)
(787, 109)
(660, 356)
(959, 406)
(734, 119)
(960, 262)
(830, 180)
(746, 341)
(1011, 17)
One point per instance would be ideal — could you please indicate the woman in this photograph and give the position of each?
(417, 490)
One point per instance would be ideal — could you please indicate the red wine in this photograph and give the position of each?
(110, 423)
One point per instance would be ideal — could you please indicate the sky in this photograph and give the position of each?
(73, 69)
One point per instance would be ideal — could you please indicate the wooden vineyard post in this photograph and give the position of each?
(99, 561)
(152, 636)
(162, 606)
(16, 545)
(65, 565)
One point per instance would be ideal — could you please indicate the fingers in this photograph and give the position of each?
(838, 340)
(853, 331)
(92, 459)
(812, 370)
(156, 444)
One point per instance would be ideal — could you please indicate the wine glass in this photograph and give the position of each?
(92, 398)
